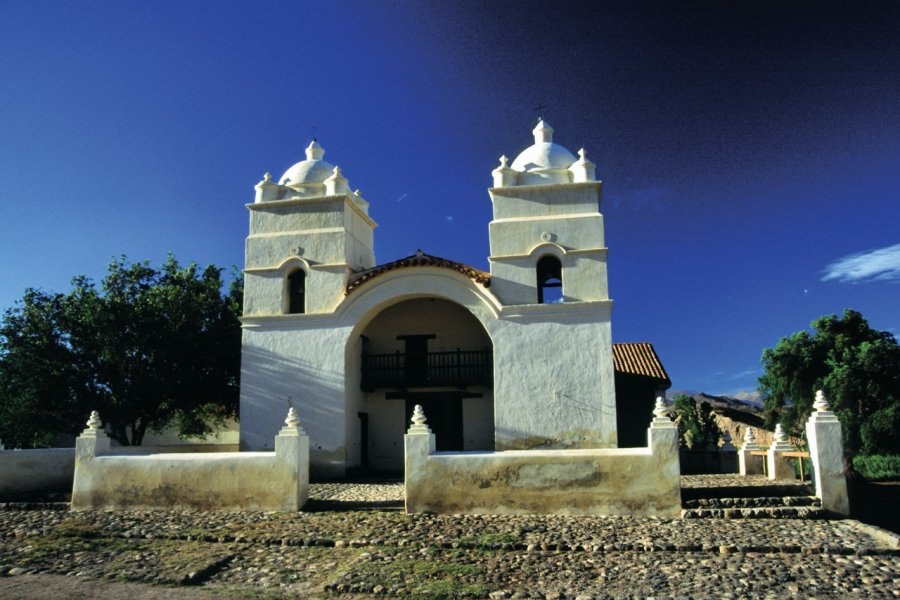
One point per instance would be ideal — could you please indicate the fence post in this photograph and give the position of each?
(779, 467)
(826, 451)
(749, 464)
(418, 443)
(663, 434)
(92, 442)
(292, 447)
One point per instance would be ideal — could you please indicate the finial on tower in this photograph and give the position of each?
(314, 151)
(543, 133)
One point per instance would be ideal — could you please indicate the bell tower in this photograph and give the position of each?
(548, 269)
(308, 233)
(546, 237)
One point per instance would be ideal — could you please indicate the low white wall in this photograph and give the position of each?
(213, 481)
(28, 472)
(628, 481)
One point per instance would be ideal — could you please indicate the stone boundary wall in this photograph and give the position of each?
(106, 480)
(626, 481)
(30, 473)
(26, 473)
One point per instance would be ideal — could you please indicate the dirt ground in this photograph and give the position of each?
(56, 587)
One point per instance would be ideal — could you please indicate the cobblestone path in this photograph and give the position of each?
(376, 550)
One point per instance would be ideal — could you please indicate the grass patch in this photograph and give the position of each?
(449, 588)
(489, 542)
(77, 528)
(444, 569)
(878, 467)
(445, 575)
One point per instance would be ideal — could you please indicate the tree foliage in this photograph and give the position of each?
(695, 423)
(856, 366)
(147, 349)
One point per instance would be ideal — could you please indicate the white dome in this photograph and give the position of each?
(544, 154)
(311, 170)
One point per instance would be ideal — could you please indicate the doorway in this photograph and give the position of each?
(445, 417)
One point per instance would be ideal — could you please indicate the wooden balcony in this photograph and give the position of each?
(401, 371)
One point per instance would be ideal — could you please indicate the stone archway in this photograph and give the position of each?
(428, 351)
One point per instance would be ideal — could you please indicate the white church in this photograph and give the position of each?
(520, 357)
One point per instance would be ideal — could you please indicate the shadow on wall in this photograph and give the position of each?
(563, 406)
(271, 383)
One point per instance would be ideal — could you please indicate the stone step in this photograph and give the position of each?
(753, 502)
(769, 512)
(776, 489)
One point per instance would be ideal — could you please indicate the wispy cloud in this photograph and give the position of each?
(448, 218)
(746, 373)
(403, 197)
(881, 264)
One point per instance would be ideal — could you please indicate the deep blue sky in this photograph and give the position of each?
(746, 148)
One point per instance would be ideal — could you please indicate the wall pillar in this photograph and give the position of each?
(92, 442)
(292, 447)
(418, 444)
(779, 467)
(727, 455)
(662, 437)
(747, 463)
(826, 450)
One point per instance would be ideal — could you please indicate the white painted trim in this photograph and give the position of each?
(554, 217)
(566, 251)
(562, 309)
(298, 200)
(511, 190)
(294, 232)
(310, 267)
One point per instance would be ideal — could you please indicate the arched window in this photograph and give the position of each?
(549, 280)
(296, 289)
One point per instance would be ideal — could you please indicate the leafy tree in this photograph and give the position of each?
(695, 423)
(147, 349)
(857, 367)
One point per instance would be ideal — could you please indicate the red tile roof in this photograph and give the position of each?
(421, 260)
(638, 358)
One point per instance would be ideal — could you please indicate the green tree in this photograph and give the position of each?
(857, 367)
(147, 349)
(695, 423)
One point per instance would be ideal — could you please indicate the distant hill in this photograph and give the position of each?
(733, 415)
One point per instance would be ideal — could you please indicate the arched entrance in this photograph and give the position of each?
(427, 351)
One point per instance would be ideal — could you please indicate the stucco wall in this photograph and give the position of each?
(633, 481)
(553, 378)
(283, 364)
(25, 473)
(219, 481)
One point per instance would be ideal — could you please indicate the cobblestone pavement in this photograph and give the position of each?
(362, 553)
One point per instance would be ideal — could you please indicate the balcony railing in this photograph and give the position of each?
(458, 368)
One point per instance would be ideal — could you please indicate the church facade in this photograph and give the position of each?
(520, 357)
